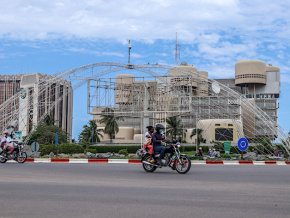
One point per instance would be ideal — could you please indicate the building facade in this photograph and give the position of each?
(194, 100)
(38, 98)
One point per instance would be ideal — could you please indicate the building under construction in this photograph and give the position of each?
(197, 100)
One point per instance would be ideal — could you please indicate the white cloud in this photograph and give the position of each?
(136, 55)
(141, 20)
(220, 32)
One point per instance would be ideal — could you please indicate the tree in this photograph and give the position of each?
(110, 120)
(174, 126)
(45, 132)
(48, 120)
(200, 139)
(90, 133)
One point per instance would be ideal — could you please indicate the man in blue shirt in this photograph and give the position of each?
(157, 138)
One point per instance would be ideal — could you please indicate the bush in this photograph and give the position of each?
(115, 148)
(46, 149)
(123, 151)
(91, 150)
(70, 148)
(85, 145)
(65, 148)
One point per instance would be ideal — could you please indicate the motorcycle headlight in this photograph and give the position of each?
(178, 145)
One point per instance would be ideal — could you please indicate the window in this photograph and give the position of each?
(224, 134)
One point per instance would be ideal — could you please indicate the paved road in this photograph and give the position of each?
(125, 190)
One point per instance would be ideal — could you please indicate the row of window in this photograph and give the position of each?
(263, 96)
(243, 76)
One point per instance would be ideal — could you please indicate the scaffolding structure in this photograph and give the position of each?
(159, 97)
(152, 99)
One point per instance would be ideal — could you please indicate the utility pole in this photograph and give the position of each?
(129, 51)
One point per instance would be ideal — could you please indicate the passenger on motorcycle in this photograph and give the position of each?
(5, 144)
(157, 138)
(148, 142)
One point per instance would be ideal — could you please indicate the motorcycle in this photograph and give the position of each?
(172, 158)
(18, 154)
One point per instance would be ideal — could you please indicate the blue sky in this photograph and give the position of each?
(53, 36)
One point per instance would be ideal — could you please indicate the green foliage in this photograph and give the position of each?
(92, 150)
(115, 148)
(46, 149)
(173, 126)
(70, 148)
(48, 120)
(110, 120)
(200, 139)
(90, 133)
(264, 145)
(123, 151)
(219, 146)
(65, 148)
(45, 134)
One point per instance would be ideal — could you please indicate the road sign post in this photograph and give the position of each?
(56, 143)
(243, 145)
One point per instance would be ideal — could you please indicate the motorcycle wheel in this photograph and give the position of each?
(148, 168)
(184, 166)
(21, 157)
(2, 159)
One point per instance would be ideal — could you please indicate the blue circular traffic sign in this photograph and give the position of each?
(243, 144)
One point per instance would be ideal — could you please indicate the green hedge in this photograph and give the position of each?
(193, 148)
(92, 150)
(116, 149)
(65, 148)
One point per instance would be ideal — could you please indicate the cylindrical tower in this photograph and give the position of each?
(178, 77)
(250, 71)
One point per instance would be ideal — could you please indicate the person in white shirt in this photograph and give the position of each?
(5, 144)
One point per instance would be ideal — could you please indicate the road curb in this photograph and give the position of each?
(138, 161)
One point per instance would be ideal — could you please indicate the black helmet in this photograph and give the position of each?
(159, 126)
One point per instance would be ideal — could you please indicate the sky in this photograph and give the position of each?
(52, 36)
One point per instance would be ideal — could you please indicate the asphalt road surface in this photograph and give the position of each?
(126, 190)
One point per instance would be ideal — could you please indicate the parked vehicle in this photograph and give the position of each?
(18, 154)
(172, 158)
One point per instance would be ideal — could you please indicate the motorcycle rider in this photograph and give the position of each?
(157, 138)
(148, 135)
(5, 141)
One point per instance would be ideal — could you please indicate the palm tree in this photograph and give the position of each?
(110, 120)
(48, 120)
(174, 126)
(91, 133)
(200, 139)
